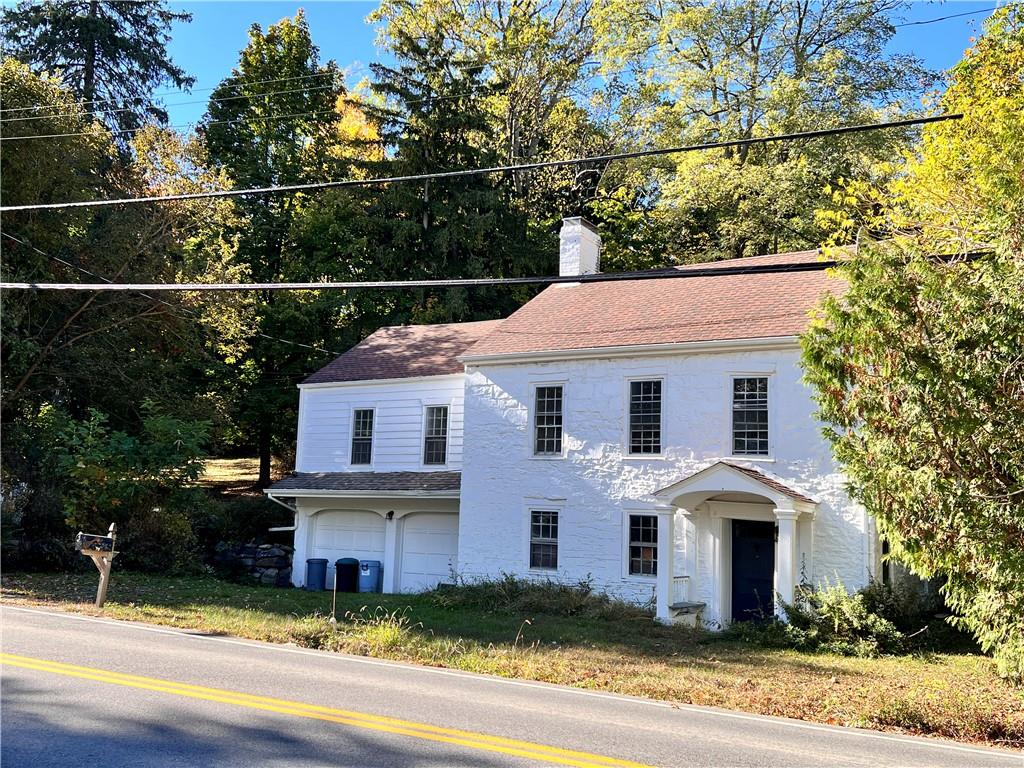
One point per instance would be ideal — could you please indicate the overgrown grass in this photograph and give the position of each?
(570, 636)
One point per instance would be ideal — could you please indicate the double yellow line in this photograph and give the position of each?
(392, 725)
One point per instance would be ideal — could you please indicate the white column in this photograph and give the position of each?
(303, 534)
(785, 556)
(666, 562)
(392, 529)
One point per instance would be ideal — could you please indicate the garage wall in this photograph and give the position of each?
(418, 546)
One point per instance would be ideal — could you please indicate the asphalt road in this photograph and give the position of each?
(82, 691)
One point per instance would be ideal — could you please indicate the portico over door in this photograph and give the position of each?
(745, 544)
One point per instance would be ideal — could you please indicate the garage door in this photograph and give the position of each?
(430, 546)
(348, 534)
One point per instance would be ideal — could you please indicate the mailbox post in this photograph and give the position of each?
(101, 550)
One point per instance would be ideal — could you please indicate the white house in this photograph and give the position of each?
(652, 436)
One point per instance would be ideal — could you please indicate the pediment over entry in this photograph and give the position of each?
(726, 477)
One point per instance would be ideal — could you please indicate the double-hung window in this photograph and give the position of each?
(547, 421)
(750, 416)
(643, 545)
(435, 435)
(362, 435)
(645, 417)
(544, 539)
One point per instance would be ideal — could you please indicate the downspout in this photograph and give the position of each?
(293, 510)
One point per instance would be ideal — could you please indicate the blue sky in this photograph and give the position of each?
(208, 46)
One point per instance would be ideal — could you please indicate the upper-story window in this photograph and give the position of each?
(435, 435)
(362, 435)
(750, 416)
(547, 421)
(645, 417)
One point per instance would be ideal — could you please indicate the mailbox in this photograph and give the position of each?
(94, 542)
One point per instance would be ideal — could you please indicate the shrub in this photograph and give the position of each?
(829, 620)
(515, 595)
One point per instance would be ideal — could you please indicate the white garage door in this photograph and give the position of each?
(430, 546)
(348, 534)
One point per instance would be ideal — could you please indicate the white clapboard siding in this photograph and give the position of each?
(325, 423)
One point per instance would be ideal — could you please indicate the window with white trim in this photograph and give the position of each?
(547, 421)
(645, 417)
(435, 435)
(750, 416)
(362, 436)
(544, 539)
(643, 545)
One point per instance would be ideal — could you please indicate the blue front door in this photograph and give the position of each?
(753, 570)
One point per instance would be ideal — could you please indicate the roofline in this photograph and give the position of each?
(634, 350)
(306, 493)
(382, 382)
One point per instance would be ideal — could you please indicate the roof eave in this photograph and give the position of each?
(378, 382)
(634, 350)
(305, 493)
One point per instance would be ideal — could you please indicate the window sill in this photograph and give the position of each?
(644, 457)
(763, 459)
(545, 457)
(636, 578)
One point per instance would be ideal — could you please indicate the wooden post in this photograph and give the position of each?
(102, 560)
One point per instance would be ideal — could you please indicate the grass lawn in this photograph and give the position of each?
(955, 696)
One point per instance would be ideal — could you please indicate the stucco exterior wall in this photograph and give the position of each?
(595, 485)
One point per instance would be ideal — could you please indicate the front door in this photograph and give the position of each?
(753, 570)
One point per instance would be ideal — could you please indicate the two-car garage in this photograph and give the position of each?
(426, 544)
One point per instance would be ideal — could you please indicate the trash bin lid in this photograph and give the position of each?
(316, 560)
(369, 563)
(346, 561)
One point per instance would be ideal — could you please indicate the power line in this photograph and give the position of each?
(173, 307)
(670, 274)
(953, 16)
(194, 90)
(494, 169)
(173, 104)
(180, 125)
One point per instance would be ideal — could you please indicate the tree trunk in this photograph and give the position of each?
(89, 69)
(264, 448)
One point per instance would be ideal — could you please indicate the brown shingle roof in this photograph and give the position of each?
(404, 351)
(771, 482)
(375, 482)
(665, 311)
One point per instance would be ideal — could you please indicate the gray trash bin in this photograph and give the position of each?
(370, 574)
(316, 574)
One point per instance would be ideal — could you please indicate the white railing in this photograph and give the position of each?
(680, 590)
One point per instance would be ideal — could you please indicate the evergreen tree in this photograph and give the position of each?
(433, 119)
(278, 136)
(111, 53)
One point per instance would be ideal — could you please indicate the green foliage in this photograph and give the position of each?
(826, 620)
(111, 52)
(511, 594)
(731, 70)
(143, 483)
(917, 369)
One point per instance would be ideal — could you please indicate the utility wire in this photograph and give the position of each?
(173, 307)
(493, 169)
(174, 104)
(193, 90)
(664, 274)
(101, 129)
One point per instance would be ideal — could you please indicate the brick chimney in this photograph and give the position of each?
(579, 248)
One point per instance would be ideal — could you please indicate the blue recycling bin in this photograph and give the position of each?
(370, 575)
(316, 574)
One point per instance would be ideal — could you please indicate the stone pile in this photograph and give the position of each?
(269, 564)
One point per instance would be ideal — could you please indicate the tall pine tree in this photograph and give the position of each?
(111, 53)
(433, 118)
